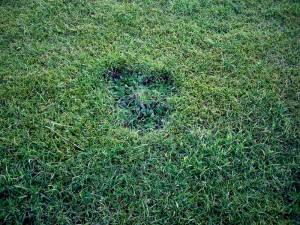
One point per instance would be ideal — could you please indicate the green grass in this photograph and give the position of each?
(227, 151)
(143, 98)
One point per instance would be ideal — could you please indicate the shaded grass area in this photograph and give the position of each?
(229, 152)
(143, 98)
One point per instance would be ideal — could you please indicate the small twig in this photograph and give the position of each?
(59, 124)
(65, 139)
(55, 123)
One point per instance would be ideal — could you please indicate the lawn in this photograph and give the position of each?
(149, 112)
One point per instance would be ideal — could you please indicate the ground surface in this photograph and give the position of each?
(226, 152)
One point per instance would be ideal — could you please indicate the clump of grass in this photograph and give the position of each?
(142, 97)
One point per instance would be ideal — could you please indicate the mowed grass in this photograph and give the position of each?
(228, 152)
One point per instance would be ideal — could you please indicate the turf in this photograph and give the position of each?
(227, 150)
